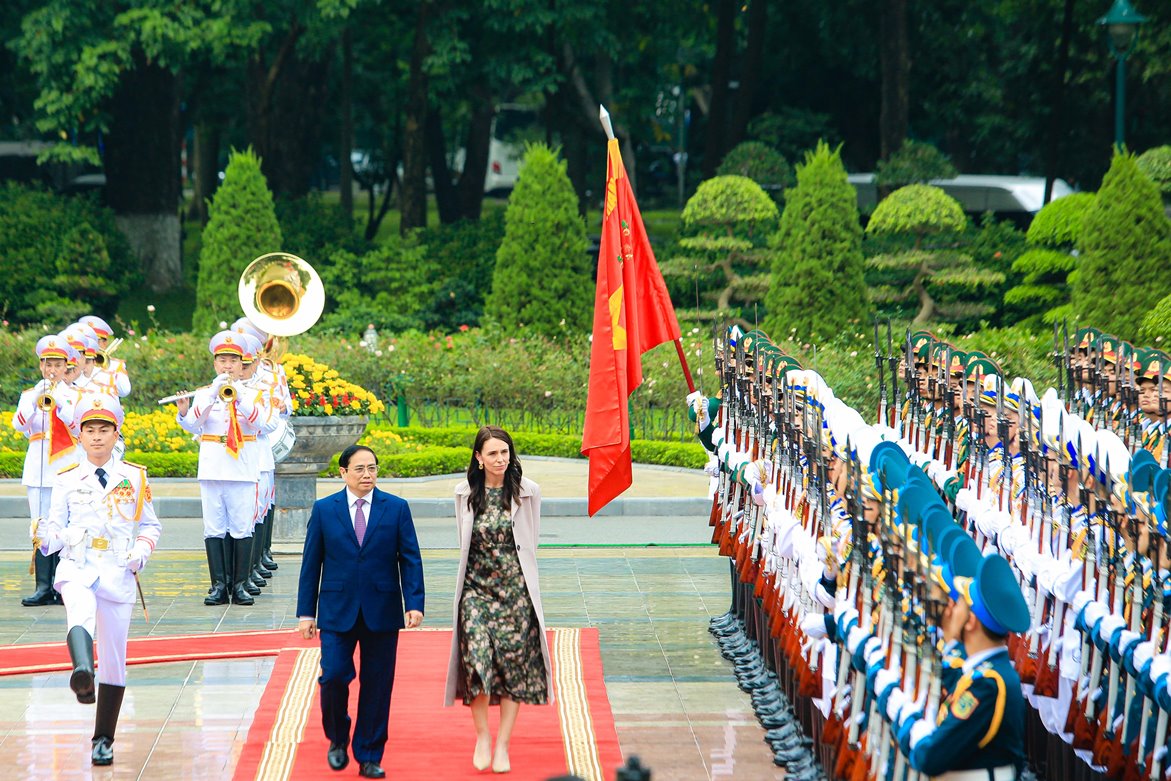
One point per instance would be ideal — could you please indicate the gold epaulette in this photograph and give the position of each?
(136, 466)
(66, 469)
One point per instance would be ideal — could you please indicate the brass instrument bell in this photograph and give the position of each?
(281, 294)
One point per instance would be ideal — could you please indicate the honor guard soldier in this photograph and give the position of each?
(44, 414)
(111, 371)
(979, 734)
(224, 417)
(104, 525)
(260, 390)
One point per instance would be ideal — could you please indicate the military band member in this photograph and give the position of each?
(225, 417)
(113, 373)
(254, 383)
(44, 414)
(104, 525)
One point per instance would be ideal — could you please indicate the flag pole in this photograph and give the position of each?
(604, 117)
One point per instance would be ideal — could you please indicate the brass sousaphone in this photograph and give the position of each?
(283, 296)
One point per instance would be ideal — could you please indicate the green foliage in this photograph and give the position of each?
(166, 464)
(725, 224)
(916, 162)
(917, 209)
(1125, 264)
(543, 278)
(792, 130)
(817, 283)
(729, 201)
(314, 230)
(462, 256)
(1156, 327)
(946, 281)
(241, 226)
(760, 163)
(1059, 223)
(1156, 164)
(63, 257)
(388, 287)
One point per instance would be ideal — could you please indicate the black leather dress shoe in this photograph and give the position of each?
(338, 756)
(371, 770)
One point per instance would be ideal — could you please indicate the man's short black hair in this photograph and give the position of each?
(343, 460)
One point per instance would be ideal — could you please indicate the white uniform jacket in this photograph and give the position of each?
(34, 422)
(208, 418)
(98, 529)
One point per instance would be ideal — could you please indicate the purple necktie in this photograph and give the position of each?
(360, 521)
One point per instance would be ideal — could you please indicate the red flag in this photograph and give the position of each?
(61, 440)
(632, 314)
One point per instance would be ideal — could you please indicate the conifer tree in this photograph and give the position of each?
(943, 281)
(1125, 265)
(726, 224)
(1042, 295)
(817, 283)
(543, 278)
(241, 226)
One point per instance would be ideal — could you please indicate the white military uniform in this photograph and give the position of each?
(228, 484)
(113, 379)
(40, 472)
(101, 532)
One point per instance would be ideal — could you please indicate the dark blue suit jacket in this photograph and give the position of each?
(383, 577)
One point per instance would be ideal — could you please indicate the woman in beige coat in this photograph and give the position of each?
(499, 652)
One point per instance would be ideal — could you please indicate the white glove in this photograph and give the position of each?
(921, 729)
(894, 703)
(813, 625)
(695, 401)
(136, 557)
(884, 678)
(712, 467)
(72, 535)
(219, 382)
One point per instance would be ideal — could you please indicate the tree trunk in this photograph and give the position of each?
(346, 142)
(896, 70)
(207, 170)
(413, 198)
(926, 302)
(143, 184)
(1057, 111)
(446, 195)
(471, 179)
(714, 147)
(749, 73)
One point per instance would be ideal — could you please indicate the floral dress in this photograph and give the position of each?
(499, 635)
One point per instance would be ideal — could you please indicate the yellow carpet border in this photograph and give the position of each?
(573, 707)
(288, 729)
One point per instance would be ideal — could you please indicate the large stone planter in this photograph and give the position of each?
(318, 441)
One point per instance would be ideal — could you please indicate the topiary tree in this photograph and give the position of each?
(1042, 295)
(241, 226)
(726, 221)
(916, 162)
(928, 273)
(543, 278)
(1156, 327)
(1125, 248)
(817, 283)
(760, 163)
(1156, 164)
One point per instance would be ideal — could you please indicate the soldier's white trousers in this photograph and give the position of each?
(229, 507)
(84, 607)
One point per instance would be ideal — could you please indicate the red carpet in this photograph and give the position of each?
(54, 657)
(427, 741)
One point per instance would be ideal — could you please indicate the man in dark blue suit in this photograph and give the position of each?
(361, 568)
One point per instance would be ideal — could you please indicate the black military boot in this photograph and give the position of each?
(109, 706)
(216, 567)
(242, 571)
(266, 554)
(44, 595)
(81, 652)
(259, 573)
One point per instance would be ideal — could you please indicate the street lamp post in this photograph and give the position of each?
(1121, 23)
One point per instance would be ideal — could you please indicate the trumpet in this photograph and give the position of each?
(227, 393)
(102, 357)
(45, 402)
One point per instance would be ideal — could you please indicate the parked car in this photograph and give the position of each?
(511, 126)
(1017, 198)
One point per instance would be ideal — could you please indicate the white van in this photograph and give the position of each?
(1014, 197)
(506, 148)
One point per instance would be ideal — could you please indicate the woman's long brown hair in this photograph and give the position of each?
(478, 498)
